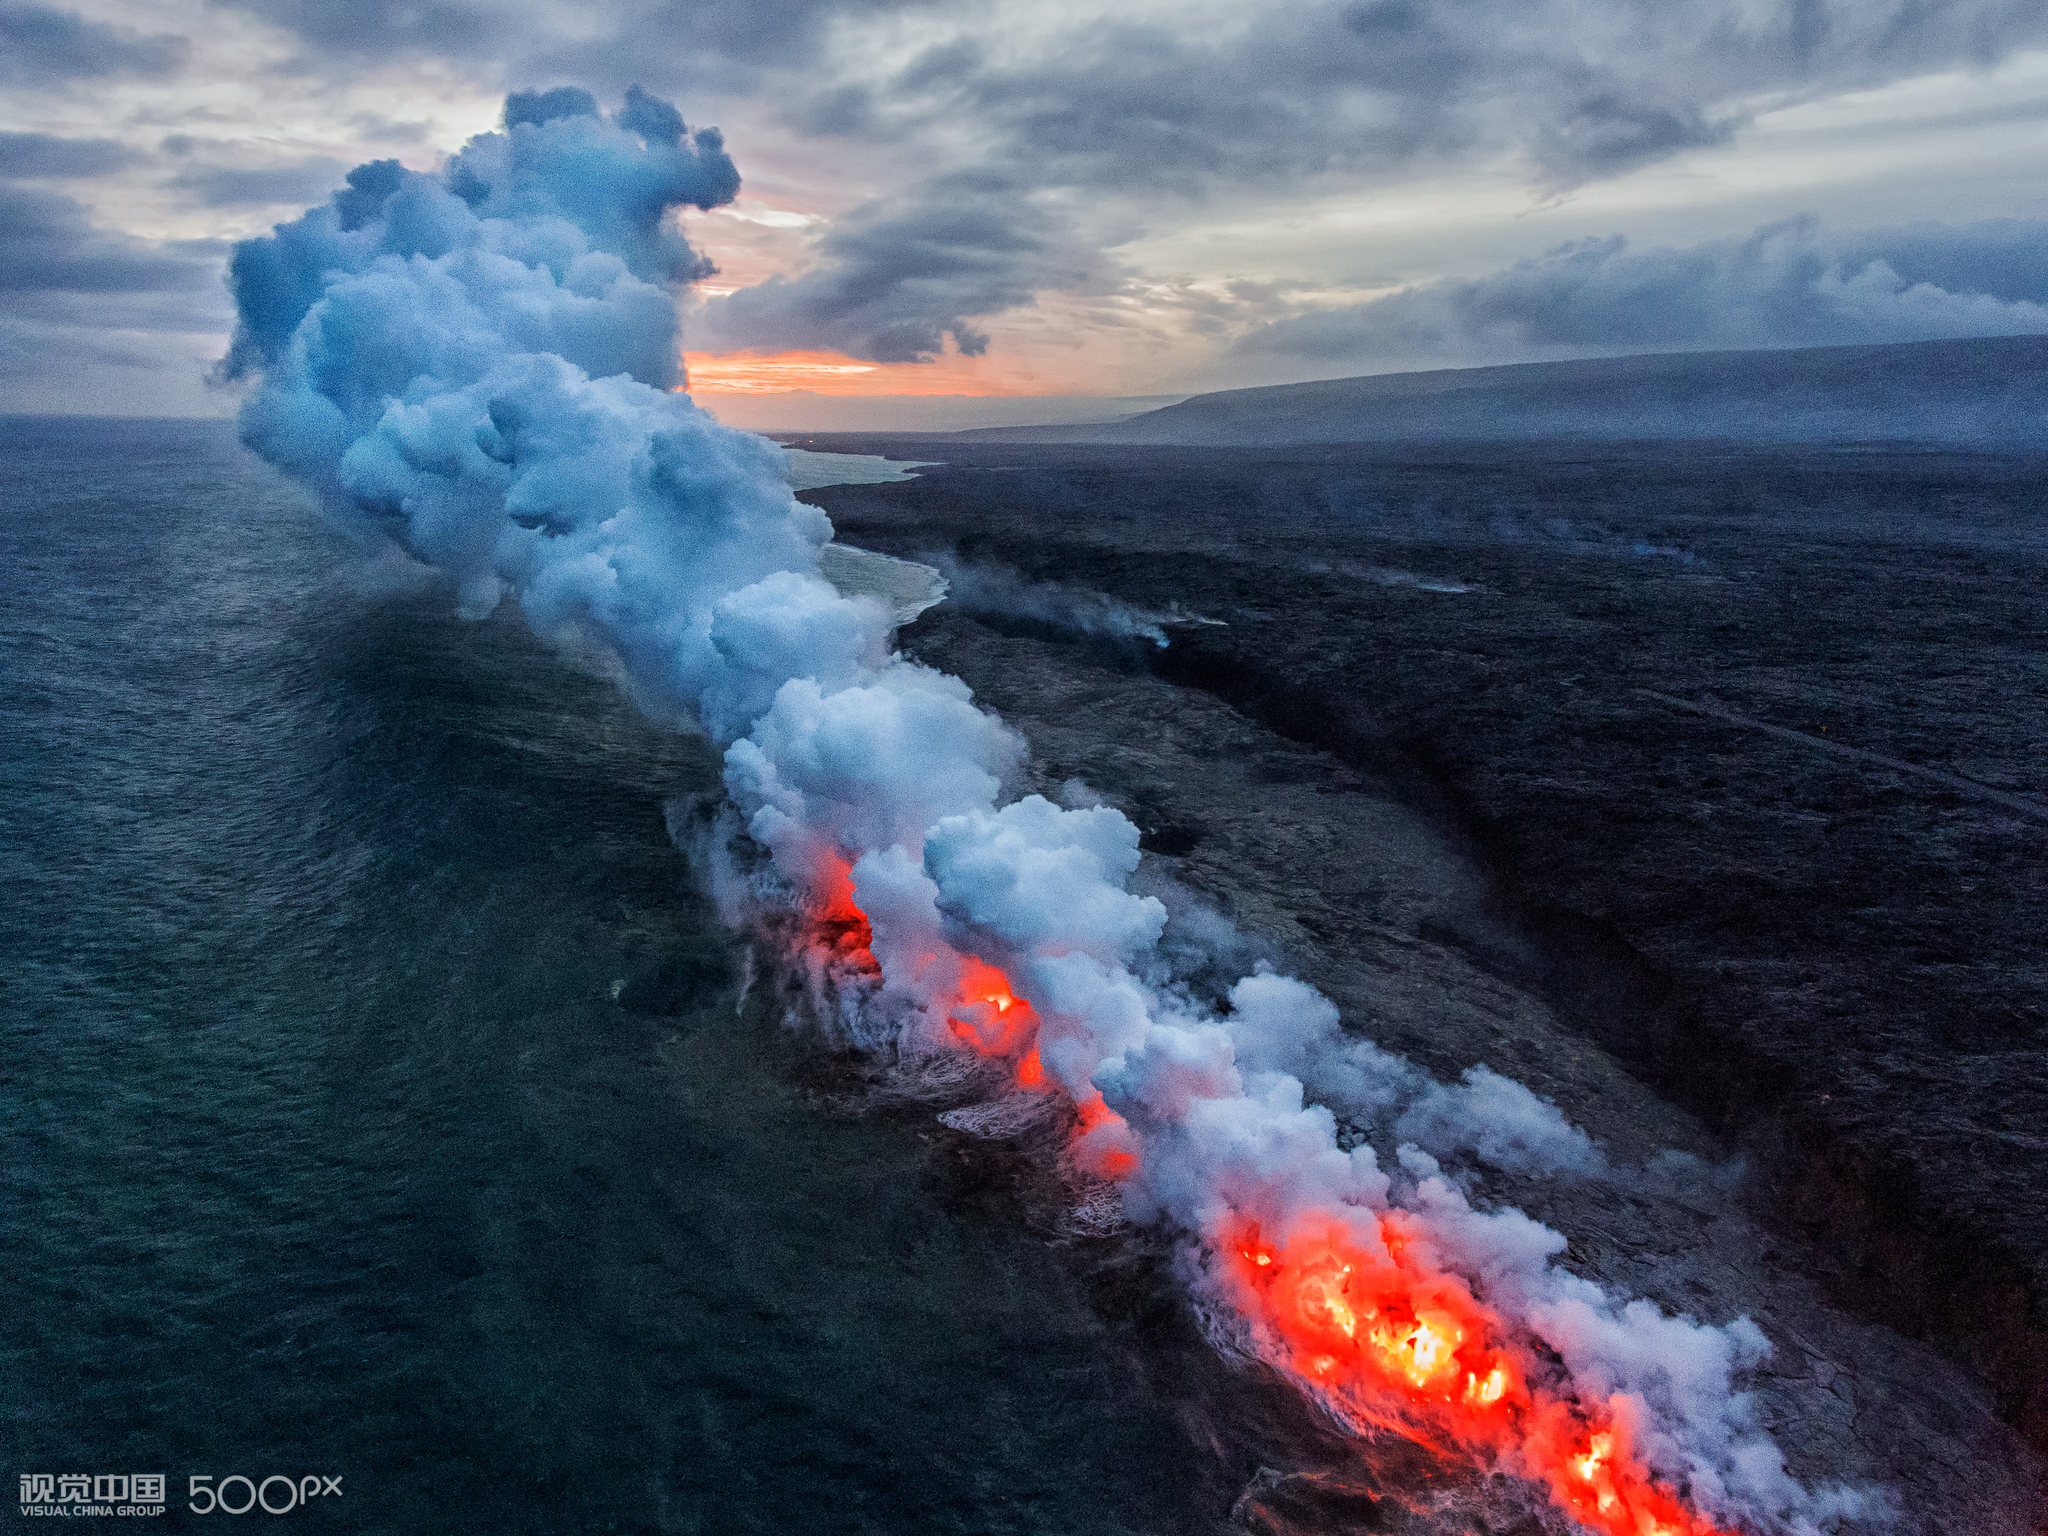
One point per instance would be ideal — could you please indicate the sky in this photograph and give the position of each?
(1118, 198)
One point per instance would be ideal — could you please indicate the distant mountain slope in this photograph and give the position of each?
(1979, 391)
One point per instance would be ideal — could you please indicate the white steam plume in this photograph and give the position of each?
(479, 364)
(996, 591)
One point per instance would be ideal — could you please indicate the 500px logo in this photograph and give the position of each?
(142, 1493)
(275, 1495)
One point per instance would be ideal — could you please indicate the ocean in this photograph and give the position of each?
(375, 1105)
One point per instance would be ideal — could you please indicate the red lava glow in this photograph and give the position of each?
(1416, 1352)
(992, 1019)
(1030, 1070)
(843, 926)
(1104, 1146)
(987, 1014)
(1401, 1346)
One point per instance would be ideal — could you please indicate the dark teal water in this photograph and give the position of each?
(326, 1147)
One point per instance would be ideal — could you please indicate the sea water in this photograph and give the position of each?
(374, 1102)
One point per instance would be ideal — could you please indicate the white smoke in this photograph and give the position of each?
(989, 589)
(478, 364)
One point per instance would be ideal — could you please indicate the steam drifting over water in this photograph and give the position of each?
(479, 366)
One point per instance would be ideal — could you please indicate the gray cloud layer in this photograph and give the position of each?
(1791, 284)
(1039, 157)
(39, 44)
(893, 282)
(1584, 88)
(296, 185)
(670, 44)
(49, 246)
(79, 301)
(1580, 89)
(82, 300)
(26, 156)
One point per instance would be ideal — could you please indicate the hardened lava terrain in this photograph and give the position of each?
(1701, 788)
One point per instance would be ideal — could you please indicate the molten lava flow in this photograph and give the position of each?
(1394, 1342)
(1408, 1349)
(1104, 1146)
(987, 1014)
(843, 927)
(1030, 1070)
(984, 1014)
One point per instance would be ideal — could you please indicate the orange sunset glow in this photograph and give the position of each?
(833, 373)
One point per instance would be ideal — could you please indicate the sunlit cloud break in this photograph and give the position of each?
(822, 372)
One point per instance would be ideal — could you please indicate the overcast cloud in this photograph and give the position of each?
(1126, 198)
(1577, 90)
(1796, 284)
(895, 281)
(41, 44)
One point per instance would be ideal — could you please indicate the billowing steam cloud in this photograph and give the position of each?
(478, 365)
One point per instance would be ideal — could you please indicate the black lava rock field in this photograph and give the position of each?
(1735, 760)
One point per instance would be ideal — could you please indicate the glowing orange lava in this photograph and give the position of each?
(1104, 1147)
(1397, 1344)
(987, 1014)
(843, 926)
(1411, 1350)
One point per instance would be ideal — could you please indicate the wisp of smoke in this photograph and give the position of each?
(990, 590)
(479, 365)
